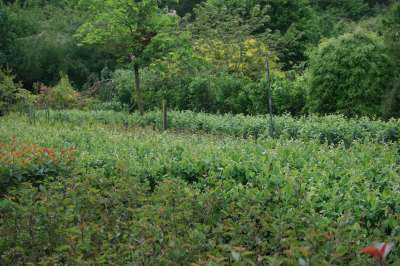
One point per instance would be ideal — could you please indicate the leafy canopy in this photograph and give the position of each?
(128, 26)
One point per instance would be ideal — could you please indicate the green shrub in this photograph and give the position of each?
(201, 96)
(227, 90)
(8, 38)
(350, 75)
(351, 9)
(288, 96)
(124, 84)
(12, 94)
(62, 96)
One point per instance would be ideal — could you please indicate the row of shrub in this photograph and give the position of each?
(145, 198)
(331, 129)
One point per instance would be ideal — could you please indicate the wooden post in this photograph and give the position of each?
(268, 76)
(165, 116)
(138, 89)
(126, 124)
(48, 114)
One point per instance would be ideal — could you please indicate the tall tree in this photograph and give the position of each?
(231, 34)
(129, 27)
(284, 25)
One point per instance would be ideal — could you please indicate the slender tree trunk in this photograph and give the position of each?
(138, 89)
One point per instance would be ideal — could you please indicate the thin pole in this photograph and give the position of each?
(165, 116)
(268, 76)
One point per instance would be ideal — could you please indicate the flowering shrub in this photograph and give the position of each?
(22, 162)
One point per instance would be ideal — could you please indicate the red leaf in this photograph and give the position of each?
(373, 251)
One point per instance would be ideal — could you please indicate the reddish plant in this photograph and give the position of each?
(21, 162)
(379, 251)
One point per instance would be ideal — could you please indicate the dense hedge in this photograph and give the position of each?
(144, 198)
(332, 129)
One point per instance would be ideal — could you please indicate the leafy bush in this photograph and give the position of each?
(12, 93)
(201, 96)
(288, 96)
(22, 163)
(170, 79)
(227, 90)
(62, 96)
(123, 81)
(350, 75)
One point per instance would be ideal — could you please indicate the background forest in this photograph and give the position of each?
(326, 56)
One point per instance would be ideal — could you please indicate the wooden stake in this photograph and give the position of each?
(165, 116)
(268, 76)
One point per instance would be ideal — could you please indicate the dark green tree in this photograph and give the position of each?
(42, 44)
(286, 25)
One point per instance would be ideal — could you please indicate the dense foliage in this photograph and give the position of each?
(12, 93)
(210, 55)
(328, 129)
(147, 198)
(351, 75)
(61, 96)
